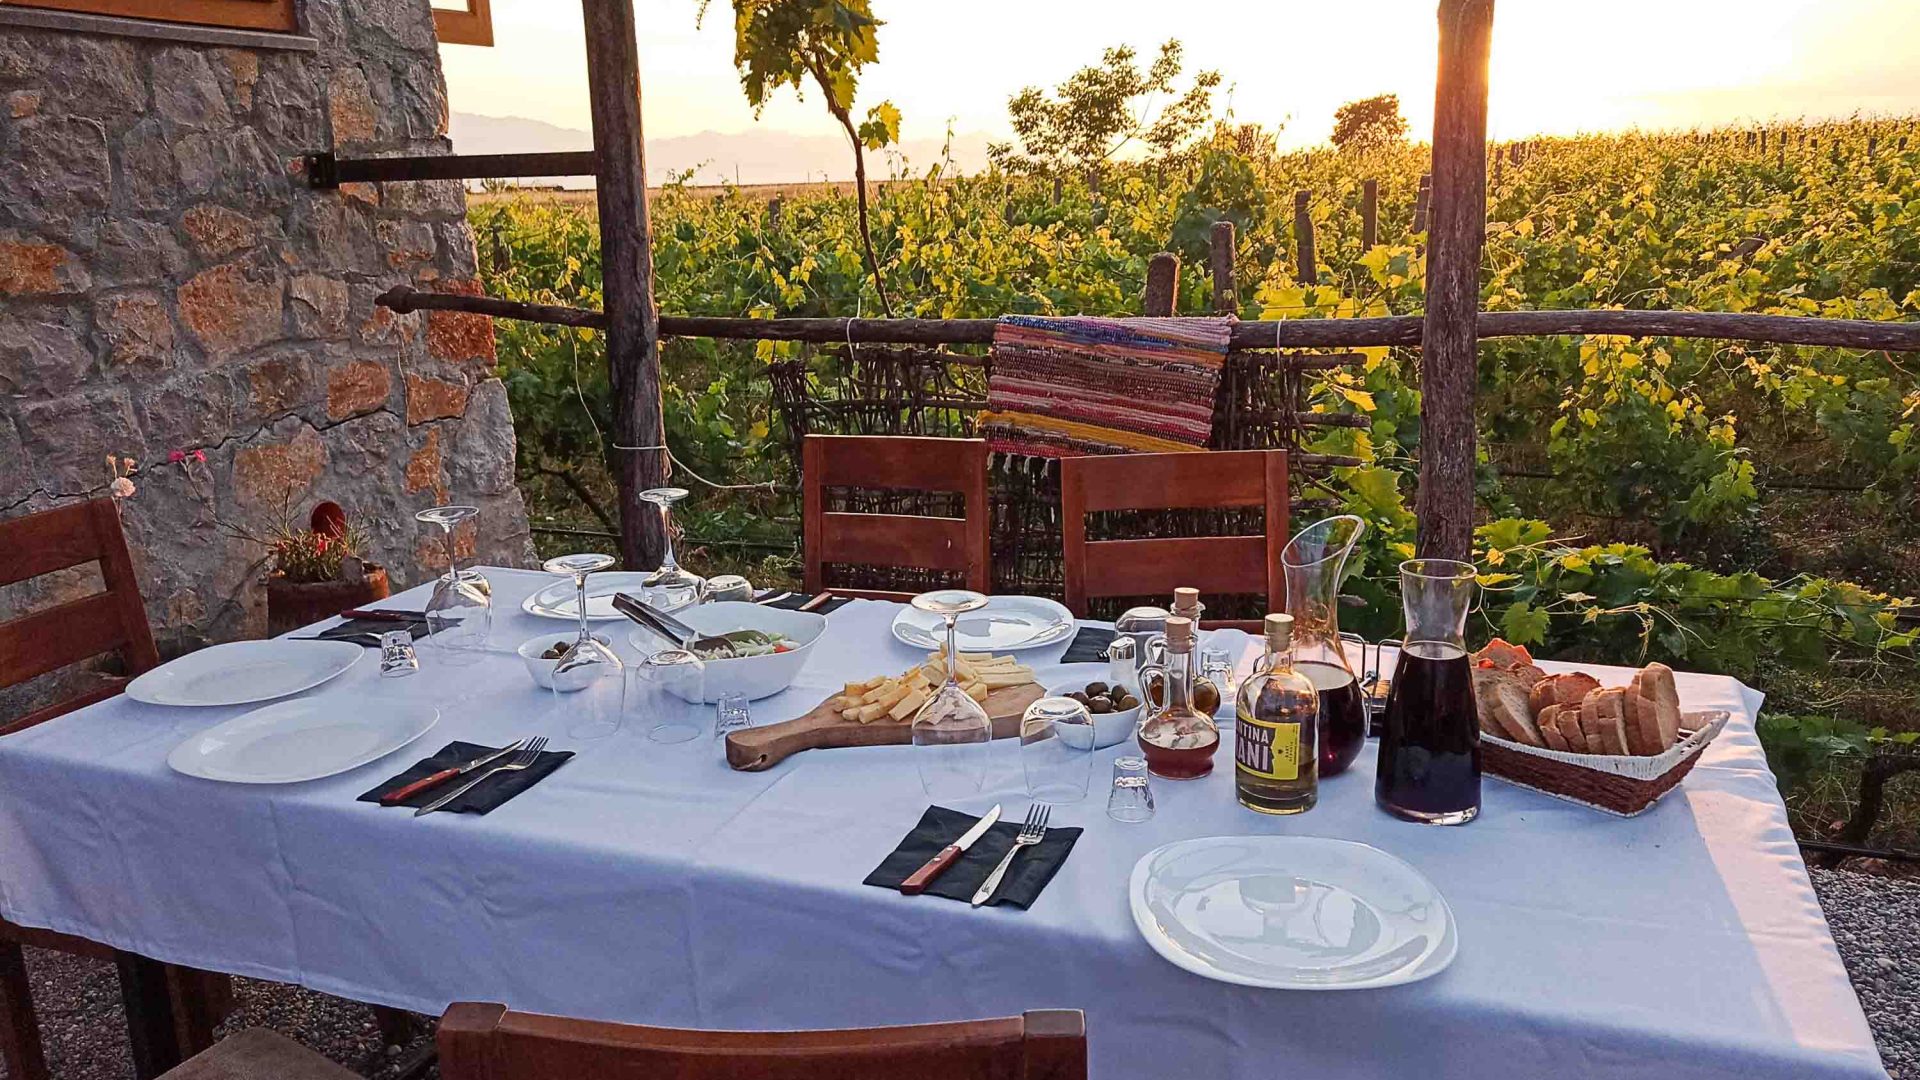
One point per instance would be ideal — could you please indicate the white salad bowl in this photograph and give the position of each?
(754, 676)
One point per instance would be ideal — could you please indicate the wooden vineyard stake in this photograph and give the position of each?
(1369, 214)
(1449, 344)
(1220, 254)
(1307, 266)
(1163, 285)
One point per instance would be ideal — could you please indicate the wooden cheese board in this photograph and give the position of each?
(760, 748)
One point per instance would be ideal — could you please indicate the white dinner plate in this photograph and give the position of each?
(1006, 624)
(561, 600)
(243, 672)
(304, 739)
(1291, 913)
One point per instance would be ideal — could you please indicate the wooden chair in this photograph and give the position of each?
(486, 1042)
(895, 463)
(1155, 567)
(33, 645)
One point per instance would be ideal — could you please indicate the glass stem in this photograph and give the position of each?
(580, 582)
(953, 653)
(666, 533)
(453, 568)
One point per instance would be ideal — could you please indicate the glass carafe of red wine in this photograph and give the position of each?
(1430, 736)
(1316, 562)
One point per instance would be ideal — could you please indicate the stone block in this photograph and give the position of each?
(192, 409)
(24, 103)
(42, 357)
(58, 168)
(186, 92)
(147, 176)
(440, 198)
(133, 328)
(406, 243)
(92, 75)
(265, 475)
(135, 252)
(16, 483)
(29, 267)
(318, 305)
(435, 399)
(350, 107)
(358, 386)
(66, 440)
(333, 234)
(243, 71)
(483, 444)
(424, 467)
(276, 384)
(217, 231)
(230, 308)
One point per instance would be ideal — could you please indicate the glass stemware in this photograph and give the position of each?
(670, 587)
(459, 614)
(589, 660)
(952, 730)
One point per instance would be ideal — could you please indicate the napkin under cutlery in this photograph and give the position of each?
(491, 792)
(367, 631)
(938, 827)
(1089, 646)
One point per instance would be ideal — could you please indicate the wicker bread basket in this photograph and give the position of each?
(1620, 785)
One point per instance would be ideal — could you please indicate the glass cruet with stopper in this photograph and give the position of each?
(1177, 739)
(1430, 732)
(1276, 769)
(1206, 693)
(1315, 561)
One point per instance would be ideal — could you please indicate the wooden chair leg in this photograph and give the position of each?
(200, 1000)
(19, 1034)
(397, 1027)
(151, 1028)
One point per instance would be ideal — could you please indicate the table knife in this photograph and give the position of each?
(921, 878)
(395, 798)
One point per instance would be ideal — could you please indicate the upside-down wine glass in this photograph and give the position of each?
(589, 664)
(952, 730)
(459, 614)
(671, 587)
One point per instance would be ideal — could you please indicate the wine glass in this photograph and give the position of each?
(589, 660)
(459, 614)
(670, 587)
(952, 730)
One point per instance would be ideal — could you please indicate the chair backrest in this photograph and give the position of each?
(899, 463)
(115, 619)
(486, 1042)
(1155, 567)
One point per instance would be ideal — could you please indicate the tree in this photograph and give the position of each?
(787, 42)
(1093, 115)
(1369, 123)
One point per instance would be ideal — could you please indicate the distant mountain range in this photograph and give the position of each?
(748, 157)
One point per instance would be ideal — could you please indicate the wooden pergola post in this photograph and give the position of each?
(626, 261)
(1457, 225)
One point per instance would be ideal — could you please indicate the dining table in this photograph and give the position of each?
(650, 883)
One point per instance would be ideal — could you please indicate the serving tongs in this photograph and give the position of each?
(680, 635)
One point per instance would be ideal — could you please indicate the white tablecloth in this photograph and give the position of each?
(649, 883)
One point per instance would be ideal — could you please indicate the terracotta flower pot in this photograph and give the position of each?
(294, 604)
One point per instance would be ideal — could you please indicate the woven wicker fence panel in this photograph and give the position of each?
(876, 390)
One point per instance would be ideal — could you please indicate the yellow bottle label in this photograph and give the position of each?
(1266, 749)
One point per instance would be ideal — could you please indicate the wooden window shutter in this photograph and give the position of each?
(239, 14)
(462, 22)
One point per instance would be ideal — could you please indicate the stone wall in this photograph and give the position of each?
(169, 282)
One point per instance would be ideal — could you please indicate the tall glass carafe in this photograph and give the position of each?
(1430, 736)
(1316, 562)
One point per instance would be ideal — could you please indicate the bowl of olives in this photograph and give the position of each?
(1115, 709)
(540, 654)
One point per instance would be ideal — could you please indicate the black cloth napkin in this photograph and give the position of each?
(939, 826)
(492, 791)
(793, 602)
(1089, 646)
(367, 631)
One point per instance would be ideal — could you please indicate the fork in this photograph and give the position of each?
(1031, 833)
(520, 761)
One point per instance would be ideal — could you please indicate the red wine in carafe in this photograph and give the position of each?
(1430, 738)
(1343, 715)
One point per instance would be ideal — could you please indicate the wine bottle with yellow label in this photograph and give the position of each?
(1275, 734)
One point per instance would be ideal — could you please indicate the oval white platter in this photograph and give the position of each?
(1291, 913)
(1006, 624)
(307, 739)
(244, 672)
(561, 600)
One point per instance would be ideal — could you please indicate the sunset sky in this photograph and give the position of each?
(1558, 67)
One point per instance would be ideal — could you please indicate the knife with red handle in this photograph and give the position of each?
(919, 880)
(395, 798)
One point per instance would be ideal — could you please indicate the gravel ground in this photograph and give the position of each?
(1875, 921)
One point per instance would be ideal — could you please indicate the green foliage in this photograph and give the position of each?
(1801, 747)
(786, 42)
(1369, 123)
(1100, 110)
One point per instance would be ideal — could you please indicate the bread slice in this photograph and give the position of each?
(1566, 720)
(1566, 689)
(1503, 655)
(1501, 702)
(1549, 722)
(1652, 711)
(1603, 721)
